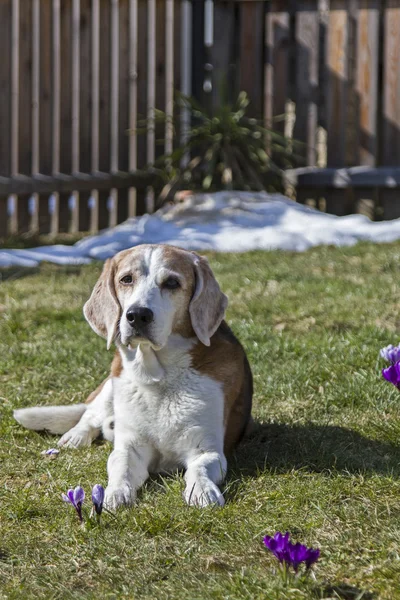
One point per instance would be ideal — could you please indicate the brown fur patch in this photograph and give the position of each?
(116, 369)
(97, 391)
(116, 365)
(226, 361)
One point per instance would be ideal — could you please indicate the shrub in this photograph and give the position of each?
(224, 150)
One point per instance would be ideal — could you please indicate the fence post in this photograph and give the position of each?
(307, 57)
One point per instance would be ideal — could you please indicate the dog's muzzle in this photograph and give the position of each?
(139, 318)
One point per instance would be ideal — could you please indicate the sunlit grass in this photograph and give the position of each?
(323, 462)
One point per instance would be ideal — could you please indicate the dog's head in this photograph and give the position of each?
(149, 292)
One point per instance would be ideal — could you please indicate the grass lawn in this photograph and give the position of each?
(323, 463)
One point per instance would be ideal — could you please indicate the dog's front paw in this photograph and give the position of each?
(119, 495)
(203, 493)
(77, 437)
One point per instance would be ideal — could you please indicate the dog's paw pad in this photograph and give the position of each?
(203, 494)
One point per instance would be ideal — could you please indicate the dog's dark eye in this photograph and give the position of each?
(127, 279)
(171, 283)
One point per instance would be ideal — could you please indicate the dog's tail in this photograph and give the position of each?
(55, 419)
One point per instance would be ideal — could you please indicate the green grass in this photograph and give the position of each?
(323, 463)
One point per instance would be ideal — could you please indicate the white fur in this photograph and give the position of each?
(55, 419)
(165, 425)
(89, 427)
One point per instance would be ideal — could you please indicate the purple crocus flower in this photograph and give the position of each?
(76, 498)
(98, 498)
(299, 553)
(312, 556)
(278, 545)
(391, 353)
(392, 374)
(291, 555)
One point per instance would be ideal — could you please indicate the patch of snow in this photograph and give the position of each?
(223, 222)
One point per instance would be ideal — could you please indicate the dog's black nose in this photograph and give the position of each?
(139, 316)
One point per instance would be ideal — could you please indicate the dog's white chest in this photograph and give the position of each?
(183, 411)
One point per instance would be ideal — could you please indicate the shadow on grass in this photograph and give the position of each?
(17, 272)
(344, 592)
(280, 447)
(11, 273)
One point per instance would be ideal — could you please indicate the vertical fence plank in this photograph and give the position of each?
(251, 54)
(15, 16)
(75, 101)
(367, 81)
(15, 45)
(177, 43)
(198, 50)
(104, 99)
(123, 105)
(133, 100)
(151, 92)
(49, 206)
(26, 204)
(391, 85)
(337, 55)
(337, 97)
(40, 226)
(142, 95)
(5, 88)
(75, 84)
(24, 115)
(95, 109)
(160, 68)
(390, 124)
(114, 67)
(5, 108)
(114, 82)
(306, 90)
(366, 84)
(56, 104)
(276, 91)
(186, 59)
(45, 112)
(85, 77)
(169, 75)
(219, 54)
(61, 201)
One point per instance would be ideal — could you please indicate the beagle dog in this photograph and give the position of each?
(180, 389)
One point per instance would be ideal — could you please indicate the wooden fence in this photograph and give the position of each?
(75, 75)
(332, 67)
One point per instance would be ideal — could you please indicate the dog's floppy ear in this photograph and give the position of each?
(102, 311)
(208, 305)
